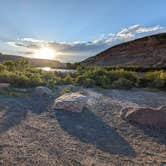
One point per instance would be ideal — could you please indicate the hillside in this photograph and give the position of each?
(147, 51)
(34, 62)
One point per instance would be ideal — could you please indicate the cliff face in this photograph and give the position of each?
(146, 51)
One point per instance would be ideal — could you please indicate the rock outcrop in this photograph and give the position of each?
(145, 116)
(73, 102)
(145, 51)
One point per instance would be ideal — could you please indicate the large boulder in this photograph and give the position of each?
(4, 85)
(145, 116)
(42, 90)
(73, 102)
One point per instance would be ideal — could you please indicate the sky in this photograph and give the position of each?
(72, 30)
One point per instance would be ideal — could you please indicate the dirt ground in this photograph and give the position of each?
(32, 134)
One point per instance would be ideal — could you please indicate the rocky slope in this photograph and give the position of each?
(145, 51)
(34, 62)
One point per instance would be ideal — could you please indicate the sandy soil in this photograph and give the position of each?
(32, 134)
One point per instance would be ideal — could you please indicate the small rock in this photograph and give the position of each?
(73, 102)
(145, 116)
(4, 85)
(93, 98)
(162, 108)
(42, 90)
(20, 89)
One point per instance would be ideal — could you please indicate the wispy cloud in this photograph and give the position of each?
(149, 29)
(22, 44)
(77, 50)
(33, 40)
(12, 43)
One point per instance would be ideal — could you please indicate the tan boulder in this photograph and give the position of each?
(145, 116)
(73, 102)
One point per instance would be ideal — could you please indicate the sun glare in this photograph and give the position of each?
(45, 53)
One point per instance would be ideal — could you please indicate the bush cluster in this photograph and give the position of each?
(21, 78)
(21, 74)
(101, 77)
(156, 79)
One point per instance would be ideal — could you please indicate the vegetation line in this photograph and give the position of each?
(21, 74)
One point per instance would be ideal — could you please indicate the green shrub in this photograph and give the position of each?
(20, 74)
(2, 67)
(106, 82)
(21, 79)
(88, 82)
(142, 82)
(68, 79)
(51, 83)
(79, 79)
(6, 76)
(99, 76)
(35, 80)
(122, 83)
(84, 81)
(10, 65)
(156, 79)
(158, 83)
(67, 89)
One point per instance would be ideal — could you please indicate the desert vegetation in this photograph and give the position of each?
(122, 77)
(21, 74)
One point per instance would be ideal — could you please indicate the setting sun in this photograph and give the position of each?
(45, 53)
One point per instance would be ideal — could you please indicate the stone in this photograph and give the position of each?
(73, 102)
(42, 90)
(4, 85)
(145, 116)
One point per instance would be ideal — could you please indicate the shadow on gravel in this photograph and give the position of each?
(16, 109)
(159, 135)
(11, 118)
(89, 128)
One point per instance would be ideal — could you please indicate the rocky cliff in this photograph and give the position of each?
(147, 51)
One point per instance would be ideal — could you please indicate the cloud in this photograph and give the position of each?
(33, 40)
(149, 29)
(25, 52)
(79, 50)
(135, 31)
(21, 44)
(13, 44)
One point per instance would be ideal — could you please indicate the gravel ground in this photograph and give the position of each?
(138, 97)
(32, 134)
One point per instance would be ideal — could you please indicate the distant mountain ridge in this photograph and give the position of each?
(34, 62)
(146, 51)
